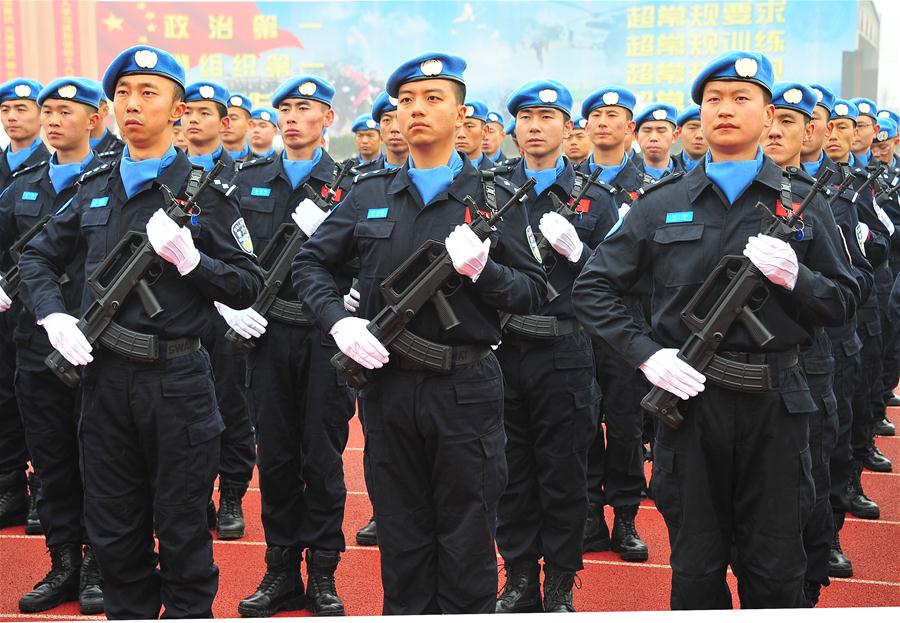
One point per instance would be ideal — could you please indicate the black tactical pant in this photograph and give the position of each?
(435, 471)
(150, 439)
(734, 485)
(549, 411)
(304, 409)
(867, 395)
(13, 450)
(50, 411)
(847, 372)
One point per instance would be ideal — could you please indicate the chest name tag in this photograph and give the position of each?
(256, 191)
(29, 196)
(679, 217)
(377, 213)
(99, 202)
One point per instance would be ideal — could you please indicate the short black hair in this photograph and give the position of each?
(222, 110)
(460, 89)
(178, 94)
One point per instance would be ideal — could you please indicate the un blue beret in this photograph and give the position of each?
(363, 123)
(657, 112)
(239, 100)
(304, 87)
(430, 66)
(579, 123)
(494, 117)
(610, 96)
(142, 59)
(844, 109)
(383, 103)
(794, 96)
(884, 113)
(264, 113)
(691, 113)
(510, 127)
(824, 96)
(741, 66)
(206, 92)
(866, 107)
(887, 129)
(20, 89)
(476, 109)
(80, 90)
(540, 93)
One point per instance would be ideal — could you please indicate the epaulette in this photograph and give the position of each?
(223, 186)
(28, 169)
(375, 173)
(255, 162)
(107, 154)
(97, 171)
(501, 169)
(612, 190)
(643, 190)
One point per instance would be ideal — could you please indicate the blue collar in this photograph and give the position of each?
(609, 173)
(851, 160)
(431, 182)
(863, 161)
(237, 155)
(15, 158)
(813, 167)
(658, 173)
(733, 177)
(496, 155)
(477, 162)
(298, 170)
(136, 173)
(265, 154)
(688, 162)
(62, 175)
(207, 161)
(545, 177)
(96, 141)
(388, 165)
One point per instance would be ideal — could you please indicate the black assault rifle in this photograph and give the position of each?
(10, 280)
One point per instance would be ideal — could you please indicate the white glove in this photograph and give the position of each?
(172, 243)
(668, 371)
(5, 301)
(468, 253)
(308, 216)
(355, 340)
(67, 338)
(561, 235)
(774, 258)
(351, 301)
(247, 323)
(862, 234)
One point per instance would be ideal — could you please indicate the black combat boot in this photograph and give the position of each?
(61, 582)
(13, 499)
(876, 461)
(367, 534)
(839, 566)
(811, 592)
(625, 539)
(281, 587)
(32, 520)
(90, 586)
(596, 532)
(558, 589)
(230, 520)
(522, 590)
(321, 595)
(860, 504)
(211, 515)
(884, 428)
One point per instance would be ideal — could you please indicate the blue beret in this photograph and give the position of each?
(364, 122)
(264, 113)
(476, 110)
(884, 113)
(844, 109)
(79, 90)
(742, 66)
(540, 93)
(239, 100)
(579, 123)
(657, 112)
(206, 91)
(142, 59)
(824, 96)
(610, 96)
(691, 113)
(866, 107)
(177, 123)
(383, 103)
(510, 127)
(304, 87)
(794, 96)
(494, 117)
(429, 66)
(887, 129)
(20, 89)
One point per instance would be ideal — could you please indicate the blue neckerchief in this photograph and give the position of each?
(863, 161)
(851, 160)
(136, 173)
(96, 141)
(431, 182)
(813, 167)
(15, 158)
(689, 163)
(545, 177)
(733, 177)
(237, 155)
(609, 173)
(388, 165)
(632, 153)
(476, 163)
(494, 157)
(299, 170)
(658, 173)
(207, 161)
(266, 154)
(62, 175)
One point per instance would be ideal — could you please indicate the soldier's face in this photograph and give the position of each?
(67, 125)
(812, 144)
(493, 137)
(21, 119)
(656, 138)
(368, 144)
(608, 126)
(866, 129)
(236, 132)
(733, 115)
(541, 130)
(202, 124)
(178, 137)
(692, 139)
(391, 134)
(146, 108)
(469, 137)
(302, 121)
(577, 145)
(840, 137)
(262, 135)
(884, 151)
(784, 138)
(429, 112)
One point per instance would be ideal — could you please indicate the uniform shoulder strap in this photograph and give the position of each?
(490, 190)
(37, 165)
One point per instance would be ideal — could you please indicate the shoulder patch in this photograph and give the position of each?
(29, 169)
(224, 187)
(97, 170)
(643, 190)
(246, 164)
(242, 236)
(375, 173)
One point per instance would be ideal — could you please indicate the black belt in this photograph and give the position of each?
(416, 353)
(143, 347)
(289, 312)
(749, 372)
(541, 326)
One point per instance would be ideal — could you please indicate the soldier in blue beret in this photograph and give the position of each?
(367, 133)
(708, 468)
(609, 113)
(178, 138)
(20, 115)
(885, 146)
(49, 407)
(263, 130)
(791, 126)
(234, 137)
(434, 431)
(885, 113)
(578, 145)
(103, 142)
(692, 141)
(866, 129)
(656, 130)
(812, 154)
(205, 118)
(384, 110)
(471, 133)
(149, 449)
(493, 137)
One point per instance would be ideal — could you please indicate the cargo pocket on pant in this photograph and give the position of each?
(203, 442)
(584, 417)
(806, 489)
(493, 474)
(193, 396)
(665, 486)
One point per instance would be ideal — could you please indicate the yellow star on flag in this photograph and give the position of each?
(113, 23)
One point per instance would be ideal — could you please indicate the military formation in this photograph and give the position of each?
(518, 334)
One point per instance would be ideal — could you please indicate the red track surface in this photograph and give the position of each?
(608, 584)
